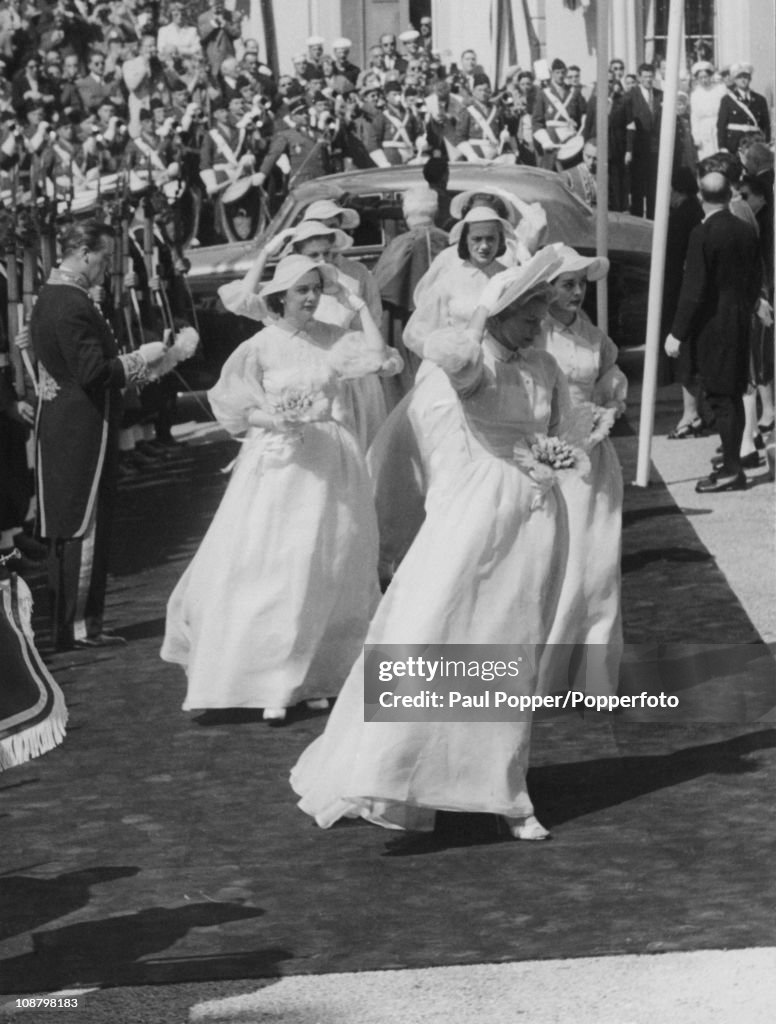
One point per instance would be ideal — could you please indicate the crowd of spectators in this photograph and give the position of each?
(92, 89)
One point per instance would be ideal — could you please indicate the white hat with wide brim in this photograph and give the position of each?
(314, 229)
(292, 268)
(325, 209)
(458, 202)
(519, 282)
(595, 267)
(480, 215)
(701, 65)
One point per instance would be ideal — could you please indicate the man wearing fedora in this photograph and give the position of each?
(741, 110)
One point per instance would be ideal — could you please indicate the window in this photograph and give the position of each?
(700, 43)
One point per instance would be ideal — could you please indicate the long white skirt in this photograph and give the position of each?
(484, 569)
(275, 606)
(584, 648)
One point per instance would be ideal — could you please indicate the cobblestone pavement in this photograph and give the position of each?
(156, 848)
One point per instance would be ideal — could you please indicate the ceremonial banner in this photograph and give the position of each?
(32, 706)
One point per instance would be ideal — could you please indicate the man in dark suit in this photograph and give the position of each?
(643, 104)
(719, 293)
(80, 375)
(741, 110)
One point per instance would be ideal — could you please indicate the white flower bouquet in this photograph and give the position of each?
(542, 457)
(301, 404)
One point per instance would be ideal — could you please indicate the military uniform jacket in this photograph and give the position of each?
(738, 116)
(306, 155)
(482, 126)
(79, 413)
(559, 113)
(395, 132)
(719, 291)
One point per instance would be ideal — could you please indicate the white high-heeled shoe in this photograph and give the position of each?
(275, 716)
(318, 704)
(527, 828)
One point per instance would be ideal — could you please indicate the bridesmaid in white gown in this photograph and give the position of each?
(399, 455)
(485, 568)
(585, 643)
(274, 607)
(705, 99)
(322, 243)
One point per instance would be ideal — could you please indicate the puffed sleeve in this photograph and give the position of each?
(239, 388)
(430, 315)
(611, 388)
(459, 354)
(349, 356)
(243, 303)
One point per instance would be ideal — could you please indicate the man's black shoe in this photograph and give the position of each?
(99, 640)
(750, 461)
(712, 484)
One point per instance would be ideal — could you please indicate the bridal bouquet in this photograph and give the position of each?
(553, 452)
(542, 457)
(301, 404)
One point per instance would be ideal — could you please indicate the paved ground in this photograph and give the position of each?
(156, 859)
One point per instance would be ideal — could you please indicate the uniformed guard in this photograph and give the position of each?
(480, 131)
(296, 149)
(741, 110)
(81, 375)
(222, 157)
(557, 115)
(394, 130)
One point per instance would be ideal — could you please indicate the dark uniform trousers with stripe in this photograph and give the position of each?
(80, 376)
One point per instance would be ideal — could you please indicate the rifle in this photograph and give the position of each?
(14, 304)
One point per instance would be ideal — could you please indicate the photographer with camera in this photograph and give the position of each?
(144, 77)
(218, 29)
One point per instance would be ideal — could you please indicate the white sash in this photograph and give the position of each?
(401, 139)
(223, 146)
(68, 159)
(485, 125)
(150, 153)
(562, 120)
(743, 107)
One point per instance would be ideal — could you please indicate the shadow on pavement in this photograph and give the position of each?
(114, 951)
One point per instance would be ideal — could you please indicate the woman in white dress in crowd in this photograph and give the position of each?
(527, 220)
(322, 243)
(485, 568)
(585, 644)
(398, 459)
(705, 99)
(274, 607)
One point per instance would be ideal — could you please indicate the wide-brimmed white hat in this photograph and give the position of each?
(743, 67)
(290, 269)
(409, 36)
(595, 267)
(325, 209)
(480, 215)
(459, 201)
(314, 229)
(341, 44)
(315, 41)
(701, 65)
(519, 282)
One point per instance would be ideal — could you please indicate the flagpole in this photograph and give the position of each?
(659, 240)
(602, 159)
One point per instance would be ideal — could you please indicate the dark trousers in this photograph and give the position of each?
(78, 574)
(729, 414)
(644, 185)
